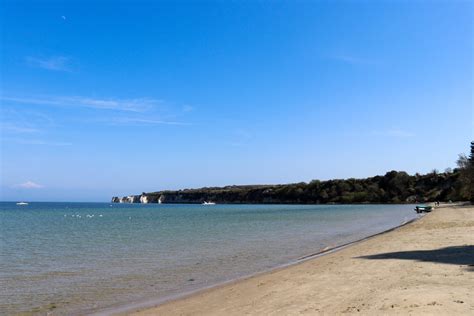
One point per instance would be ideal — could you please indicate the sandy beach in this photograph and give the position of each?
(425, 267)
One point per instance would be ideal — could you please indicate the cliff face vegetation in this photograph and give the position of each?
(393, 187)
(466, 175)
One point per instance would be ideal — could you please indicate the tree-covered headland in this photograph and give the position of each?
(392, 187)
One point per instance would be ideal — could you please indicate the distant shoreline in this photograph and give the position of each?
(395, 187)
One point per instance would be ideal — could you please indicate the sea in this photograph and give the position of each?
(84, 258)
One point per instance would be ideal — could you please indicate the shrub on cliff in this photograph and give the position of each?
(466, 175)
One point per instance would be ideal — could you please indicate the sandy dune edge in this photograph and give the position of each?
(426, 267)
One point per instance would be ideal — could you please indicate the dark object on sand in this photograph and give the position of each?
(423, 209)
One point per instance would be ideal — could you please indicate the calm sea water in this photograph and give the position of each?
(68, 258)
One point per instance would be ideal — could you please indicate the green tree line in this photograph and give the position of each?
(393, 187)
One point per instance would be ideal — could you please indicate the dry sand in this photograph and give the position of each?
(426, 267)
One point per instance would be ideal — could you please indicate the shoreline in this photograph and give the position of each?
(153, 303)
(222, 298)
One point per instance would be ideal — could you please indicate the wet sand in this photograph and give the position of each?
(425, 267)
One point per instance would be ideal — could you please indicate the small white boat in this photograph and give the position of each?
(208, 203)
(21, 203)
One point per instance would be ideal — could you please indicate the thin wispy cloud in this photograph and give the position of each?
(17, 129)
(39, 142)
(55, 63)
(132, 105)
(29, 185)
(24, 117)
(24, 124)
(140, 121)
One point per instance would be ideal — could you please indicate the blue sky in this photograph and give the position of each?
(102, 98)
